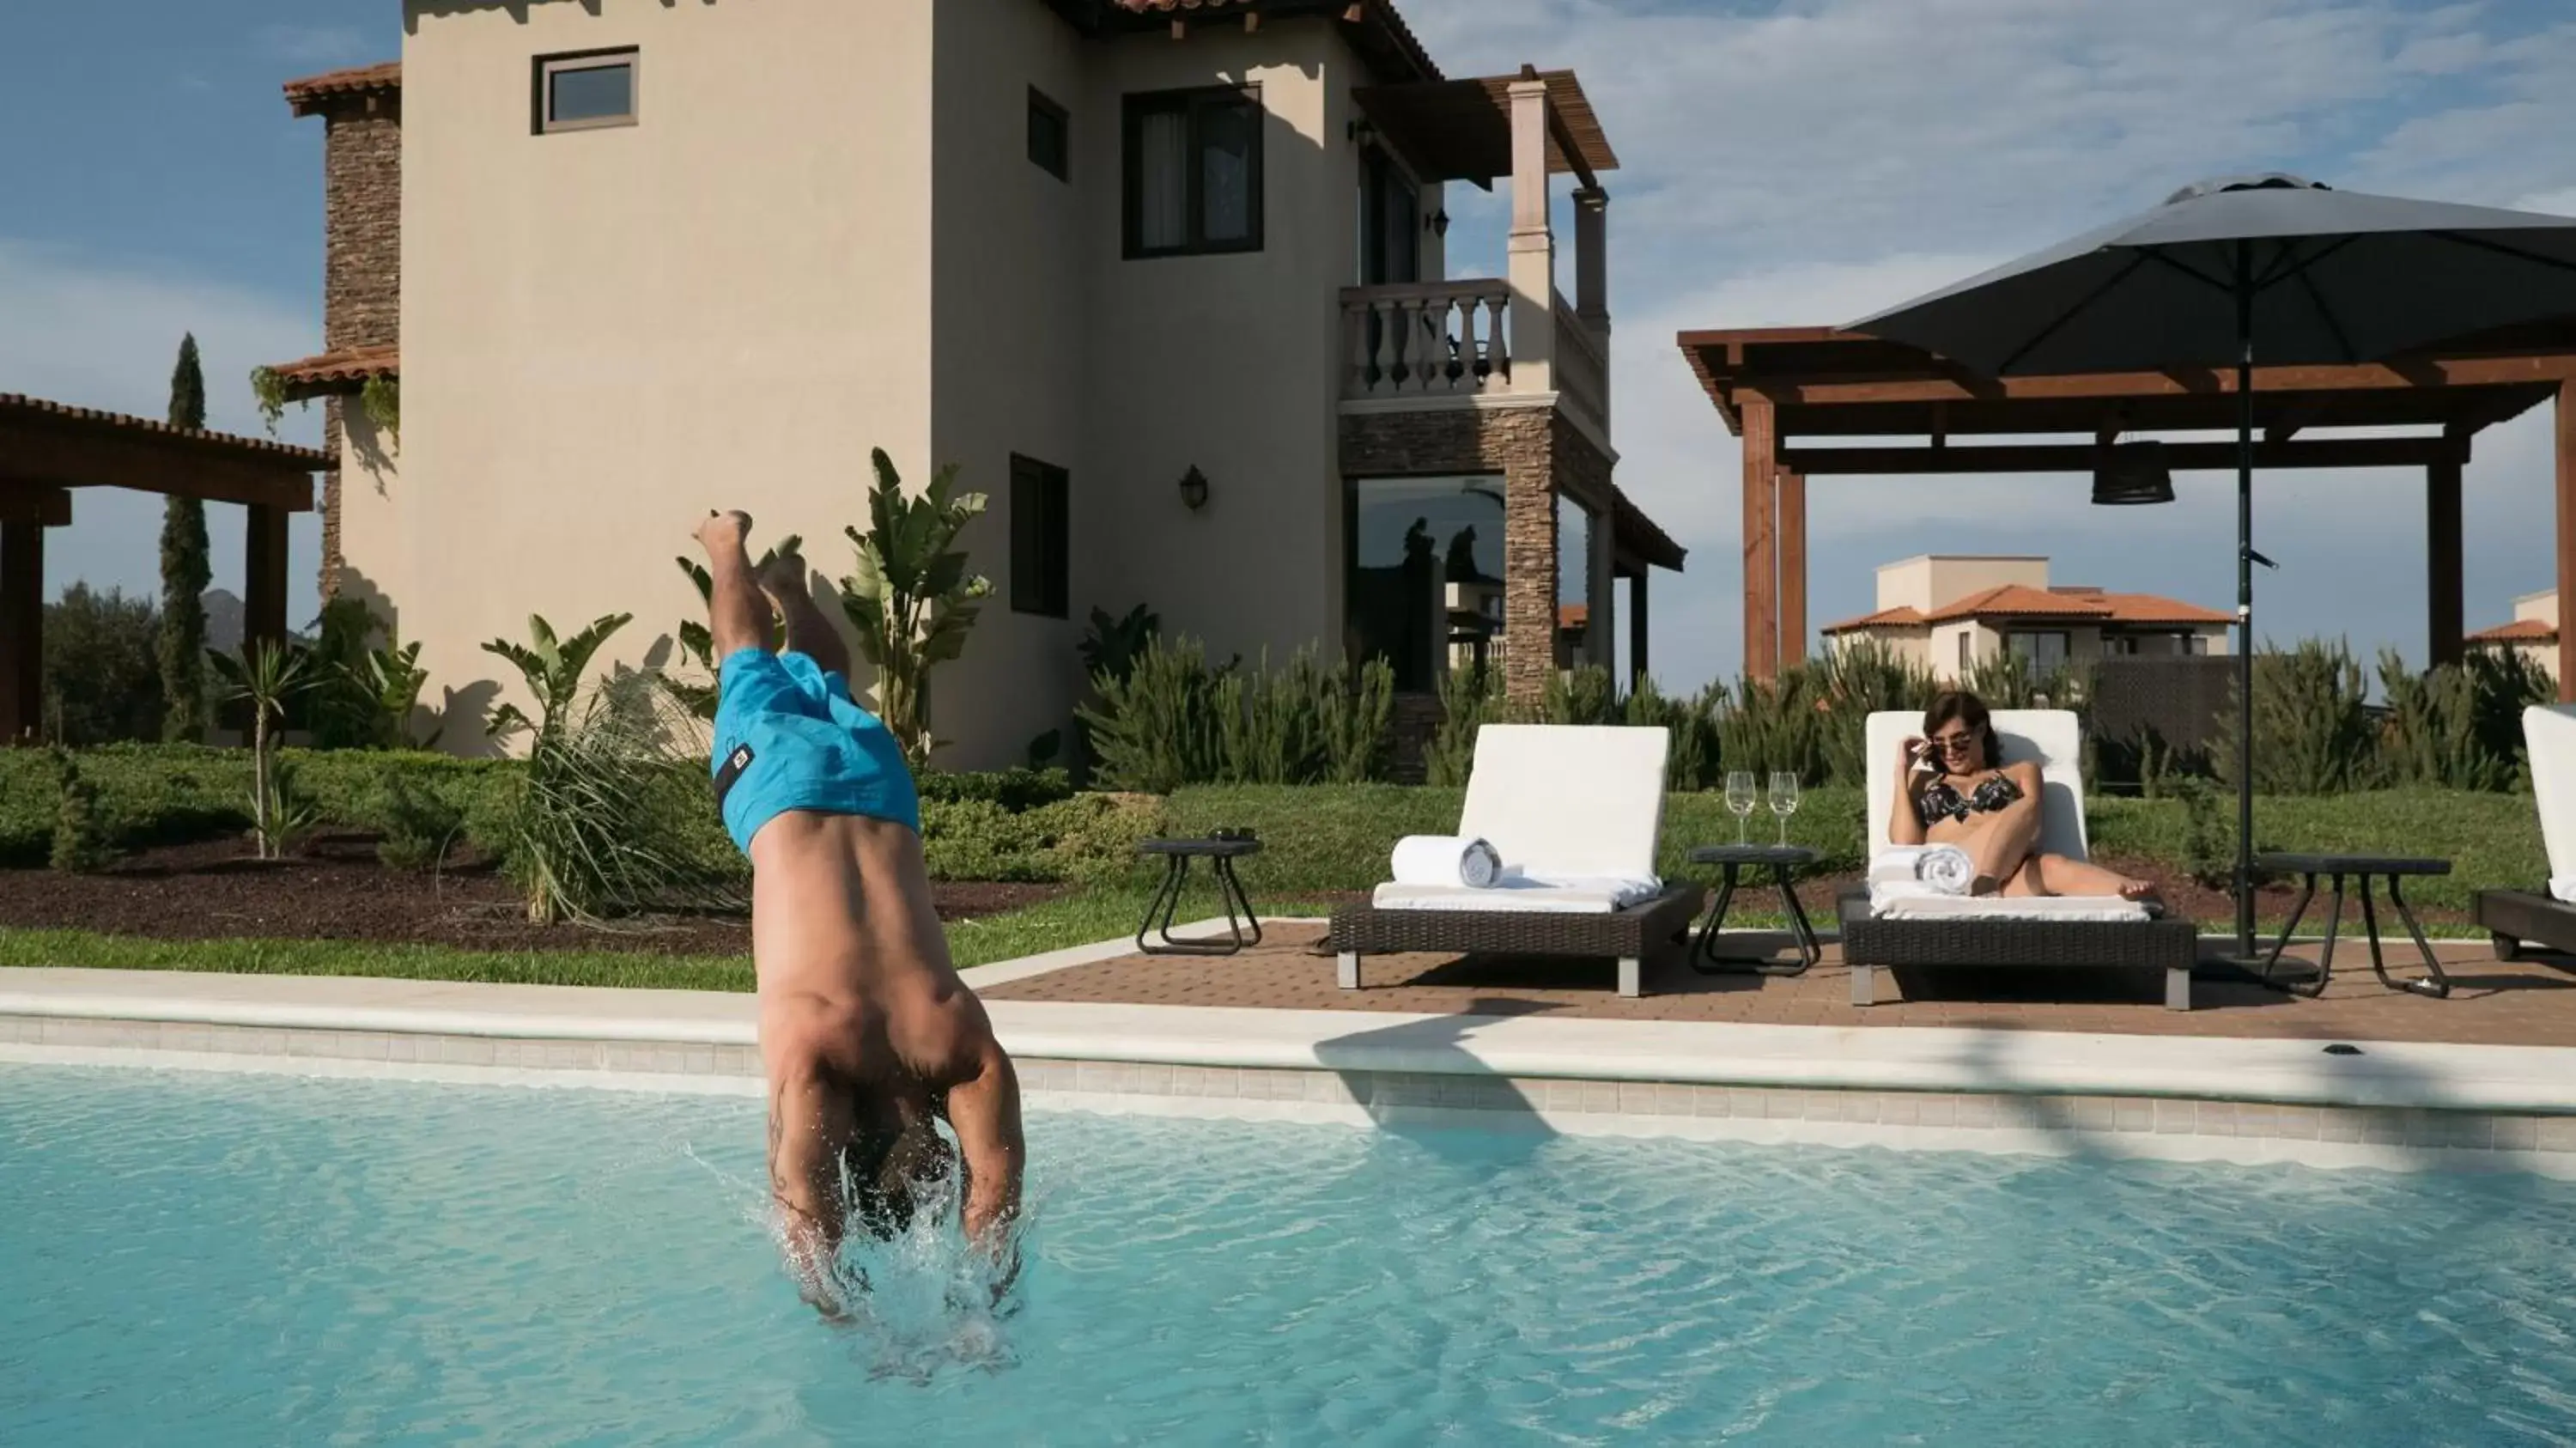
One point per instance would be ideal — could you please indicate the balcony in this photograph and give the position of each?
(1486, 341)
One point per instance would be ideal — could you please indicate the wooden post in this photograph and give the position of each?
(1761, 549)
(2566, 539)
(1637, 667)
(264, 576)
(2444, 611)
(22, 629)
(1793, 567)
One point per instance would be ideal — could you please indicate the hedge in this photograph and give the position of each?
(1028, 826)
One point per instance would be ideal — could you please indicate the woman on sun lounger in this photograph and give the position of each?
(1953, 789)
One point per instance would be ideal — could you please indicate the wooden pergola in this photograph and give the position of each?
(48, 450)
(1783, 389)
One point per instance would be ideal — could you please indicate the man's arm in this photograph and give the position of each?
(985, 1112)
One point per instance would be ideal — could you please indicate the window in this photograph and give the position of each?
(1423, 588)
(1193, 172)
(2121, 644)
(2195, 645)
(1967, 645)
(1050, 136)
(2044, 650)
(1390, 223)
(586, 90)
(1041, 539)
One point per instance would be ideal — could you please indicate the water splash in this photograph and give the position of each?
(924, 1302)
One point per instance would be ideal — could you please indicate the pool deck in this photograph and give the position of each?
(2485, 1080)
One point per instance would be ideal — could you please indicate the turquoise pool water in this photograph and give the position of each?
(203, 1259)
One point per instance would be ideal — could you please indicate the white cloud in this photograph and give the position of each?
(96, 335)
(1814, 160)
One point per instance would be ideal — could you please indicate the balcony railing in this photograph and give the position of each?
(1582, 370)
(1428, 339)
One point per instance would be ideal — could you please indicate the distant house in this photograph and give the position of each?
(2533, 632)
(1951, 612)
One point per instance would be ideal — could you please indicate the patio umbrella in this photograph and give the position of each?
(2299, 272)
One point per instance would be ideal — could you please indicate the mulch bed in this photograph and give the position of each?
(336, 890)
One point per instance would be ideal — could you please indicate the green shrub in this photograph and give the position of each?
(80, 839)
(1355, 711)
(341, 709)
(2456, 726)
(1581, 696)
(1468, 698)
(1174, 721)
(1691, 762)
(417, 824)
(1269, 728)
(1854, 681)
(102, 668)
(2312, 731)
(1012, 789)
(1157, 729)
(1776, 725)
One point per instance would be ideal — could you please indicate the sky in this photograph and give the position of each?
(1785, 162)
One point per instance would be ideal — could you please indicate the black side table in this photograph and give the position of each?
(1220, 850)
(2361, 868)
(1784, 861)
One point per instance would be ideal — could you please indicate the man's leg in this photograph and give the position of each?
(808, 631)
(737, 614)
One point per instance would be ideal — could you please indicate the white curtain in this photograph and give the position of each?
(1163, 167)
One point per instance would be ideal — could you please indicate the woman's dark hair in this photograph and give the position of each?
(1970, 711)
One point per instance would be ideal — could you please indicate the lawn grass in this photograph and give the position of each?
(1085, 918)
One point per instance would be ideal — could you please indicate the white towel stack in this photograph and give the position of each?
(1446, 860)
(2563, 891)
(1929, 869)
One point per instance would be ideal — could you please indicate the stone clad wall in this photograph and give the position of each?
(361, 261)
(1539, 453)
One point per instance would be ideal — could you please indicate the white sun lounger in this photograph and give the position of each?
(2546, 916)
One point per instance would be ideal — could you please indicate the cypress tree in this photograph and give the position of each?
(184, 571)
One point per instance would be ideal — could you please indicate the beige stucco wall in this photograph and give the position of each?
(1929, 581)
(2541, 607)
(607, 332)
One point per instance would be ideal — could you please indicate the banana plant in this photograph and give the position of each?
(391, 675)
(911, 598)
(698, 643)
(552, 669)
(265, 675)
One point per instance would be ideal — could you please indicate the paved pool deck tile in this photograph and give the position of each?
(2491, 1003)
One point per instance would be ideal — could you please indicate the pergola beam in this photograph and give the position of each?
(1816, 390)
(2359, 452)
(49, 457)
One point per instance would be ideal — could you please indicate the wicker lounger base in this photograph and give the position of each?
(2517, 918)
(2169, 945)
(1659, 927)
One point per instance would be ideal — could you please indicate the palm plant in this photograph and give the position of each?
(552, 669)
(911, 598)
(391, 674)
(266, 675)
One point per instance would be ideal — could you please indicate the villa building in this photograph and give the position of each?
(1168, 281)
(2532, 634)
(1949, 612)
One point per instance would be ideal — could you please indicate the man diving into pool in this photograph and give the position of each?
(866, 1031)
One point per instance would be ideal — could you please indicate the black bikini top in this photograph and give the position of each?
(1942, 799)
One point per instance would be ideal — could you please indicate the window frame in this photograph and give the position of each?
(544, 68)
(2030, 650)
(1041, 493)
(1043, 105)
(1193, 103)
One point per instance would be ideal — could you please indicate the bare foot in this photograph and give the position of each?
(722, 532)
(2142, 891)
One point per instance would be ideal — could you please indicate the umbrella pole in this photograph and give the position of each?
(2244, 601)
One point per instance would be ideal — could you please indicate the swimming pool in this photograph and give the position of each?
(219, 1259)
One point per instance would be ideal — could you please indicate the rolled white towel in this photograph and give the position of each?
(1446, 860)
(2563, 890)
(1943, 869)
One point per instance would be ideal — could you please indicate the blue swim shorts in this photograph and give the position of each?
(789, 736)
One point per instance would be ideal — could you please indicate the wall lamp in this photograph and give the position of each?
(1194, 489)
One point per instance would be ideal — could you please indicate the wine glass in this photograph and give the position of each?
(1739, 798)
(1784, 800)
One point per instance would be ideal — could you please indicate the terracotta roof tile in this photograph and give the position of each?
(342, 369)
(2151, 608)
(1901, 616)
(1573, 615)
(2520, 631)
(304, 93)
(262, 448)
(2018, 600)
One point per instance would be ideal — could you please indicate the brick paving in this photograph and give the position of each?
(2491, 1003)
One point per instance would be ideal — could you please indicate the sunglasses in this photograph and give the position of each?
(1952, 743)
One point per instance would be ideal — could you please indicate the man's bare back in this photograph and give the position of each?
(866, 1032)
